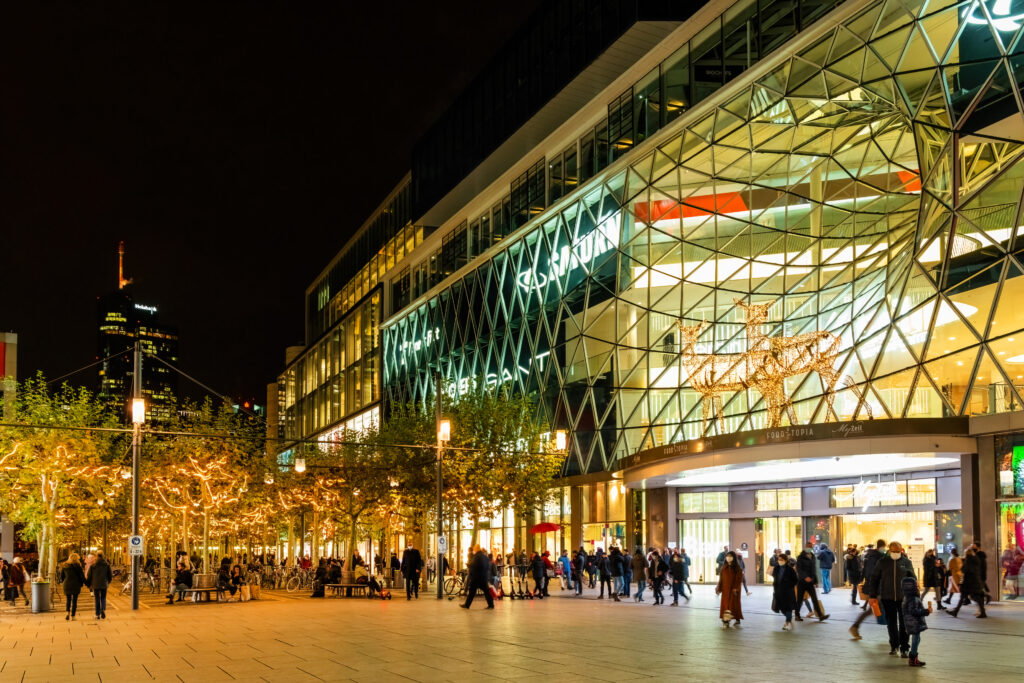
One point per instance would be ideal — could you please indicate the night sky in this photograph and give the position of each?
(234, 150)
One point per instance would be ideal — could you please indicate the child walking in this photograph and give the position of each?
(914, 613)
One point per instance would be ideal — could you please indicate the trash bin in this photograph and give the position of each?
(40, 597)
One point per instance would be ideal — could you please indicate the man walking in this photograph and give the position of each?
(807, 579)
(98, 578)
(885, 585)
(826, 560)
(412, 567)
(479, 571)
(871, 558)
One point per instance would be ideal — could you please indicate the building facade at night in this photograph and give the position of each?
(8, 386)
(121, 320)
(765, 277)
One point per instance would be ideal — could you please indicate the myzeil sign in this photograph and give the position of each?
(579, 255)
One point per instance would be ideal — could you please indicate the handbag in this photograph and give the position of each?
(254, 590)
(244, 592)
(775, 606)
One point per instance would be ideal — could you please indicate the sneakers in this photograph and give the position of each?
(725, 624)
(894, 651)
(904, 654)
(788, 626)
(914, 661)
(855, 633)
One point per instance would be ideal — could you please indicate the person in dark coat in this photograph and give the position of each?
(971, 585)
(983, 571)
(677, 568)
(871, 558)
(914, 613)
(182, 581)
(884, 585)
(604, 570)
(479, 573)
(98, 578)
(658, 570)
(784, 591)
(615, 562)
(412, 566)
(537, 571)
(807, 573)
(730, 582)
(853, 574)
(72, 578)
(928, 573)
(579, 563)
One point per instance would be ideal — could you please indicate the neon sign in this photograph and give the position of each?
(580, 254)
(1001, 20)
(462, 385)
(142, 307)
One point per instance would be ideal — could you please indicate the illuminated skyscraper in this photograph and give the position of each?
(121, 320)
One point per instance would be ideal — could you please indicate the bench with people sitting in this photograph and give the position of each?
(329, 576)
(228, 581)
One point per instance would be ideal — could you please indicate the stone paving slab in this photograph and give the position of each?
(293, 638)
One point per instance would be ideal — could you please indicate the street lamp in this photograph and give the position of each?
(444, 435)
(138, 418)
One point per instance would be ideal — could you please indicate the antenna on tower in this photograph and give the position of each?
(121, 281)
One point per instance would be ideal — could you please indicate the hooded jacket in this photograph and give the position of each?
(914, 611)
(884, 582)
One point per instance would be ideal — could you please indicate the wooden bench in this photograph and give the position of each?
(359, 588)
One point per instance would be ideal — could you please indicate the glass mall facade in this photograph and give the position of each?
(784, 227)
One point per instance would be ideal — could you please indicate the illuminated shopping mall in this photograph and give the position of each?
(762, 260)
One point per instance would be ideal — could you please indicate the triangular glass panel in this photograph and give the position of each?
(952, 375)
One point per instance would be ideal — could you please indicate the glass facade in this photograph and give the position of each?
(836, 237)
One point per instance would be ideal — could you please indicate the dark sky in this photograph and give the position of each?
(234, 150)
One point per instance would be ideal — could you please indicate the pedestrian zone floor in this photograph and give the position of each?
(289, 637)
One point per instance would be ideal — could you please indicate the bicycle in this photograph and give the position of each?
(303, 578)
(455, 585)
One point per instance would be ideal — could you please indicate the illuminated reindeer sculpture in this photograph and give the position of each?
(765, 366)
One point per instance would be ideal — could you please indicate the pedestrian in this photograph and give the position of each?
(851, 565)
(914, 613)
(807, 575)
(537, 569)
(396, 567)
(941, 575)
(549, 571)
(479, 572)
(17, 578)
(678, 571)
(615, 562)
(730, 581)
(71, 578)
(720, 560)
(826, 560)
(743, 570)
(982, 570)
(972, 587)
(639, 565)
(604, 570)
(871, 558)
(566, 564)
(686, 563)
(412, 566)
(98, 578)
(885, 586)
(784, 591)
(627, 573)
(955, 573)
(579, 562)
(928, 573)
(658, 570)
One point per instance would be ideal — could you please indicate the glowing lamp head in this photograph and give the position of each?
(444, 430)
(561, 440)
(300, 464)
(138, 411)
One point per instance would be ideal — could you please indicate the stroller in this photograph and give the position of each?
(375, 590)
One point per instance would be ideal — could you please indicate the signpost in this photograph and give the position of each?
(136, 546)
(442, 544)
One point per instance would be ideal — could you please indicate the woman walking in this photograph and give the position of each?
(72, 578)
(730, 582)
(640, 563)
(784, 591)
(972, 586)
(955, 571)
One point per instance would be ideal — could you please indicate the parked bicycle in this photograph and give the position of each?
(302, 578)
(456, 585)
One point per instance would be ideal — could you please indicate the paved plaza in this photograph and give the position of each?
(285, 638)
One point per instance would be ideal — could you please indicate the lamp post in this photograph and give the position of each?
(444, 433)
(138, 417)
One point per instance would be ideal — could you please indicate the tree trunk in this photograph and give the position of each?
(206, 541)
(314, 538)
(291, 538)
(352, 542)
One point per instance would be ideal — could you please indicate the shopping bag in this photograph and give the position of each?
(196, 596)
(254, 591)
(775, 606)
(244, 592)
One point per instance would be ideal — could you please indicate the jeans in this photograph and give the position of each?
(659, 599)
(577, 581)
(788, 613)
(854, 594)
(678, 588)
(915, 641)
(617, 580)
(627, 579)
(826, 580)
(71, 599)
(100, 597)
(180, 589)
(898, 638)
(641, 583)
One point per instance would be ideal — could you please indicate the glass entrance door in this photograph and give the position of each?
(783, 533)
(703, 540)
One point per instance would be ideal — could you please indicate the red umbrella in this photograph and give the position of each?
(545, 527)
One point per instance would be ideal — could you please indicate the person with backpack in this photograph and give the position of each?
(639, 564)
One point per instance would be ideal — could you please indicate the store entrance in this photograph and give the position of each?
(703, 539)
(783, 533)
(915, 530)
